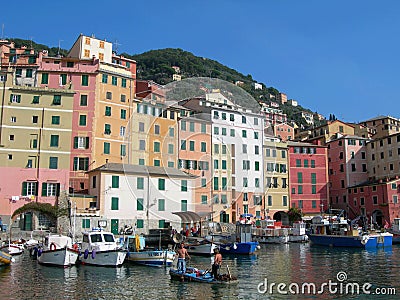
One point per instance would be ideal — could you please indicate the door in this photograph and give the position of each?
(28, 222)
(114, 226)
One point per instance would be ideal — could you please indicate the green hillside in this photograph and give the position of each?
(157, 65)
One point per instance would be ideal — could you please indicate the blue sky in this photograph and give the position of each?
(332, 56)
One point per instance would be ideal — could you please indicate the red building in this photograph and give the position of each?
(308, 177)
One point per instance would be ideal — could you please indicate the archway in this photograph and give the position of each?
(282, 217)
(377, 217)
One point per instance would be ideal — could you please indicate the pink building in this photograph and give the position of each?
(347, 158)
(308, 177)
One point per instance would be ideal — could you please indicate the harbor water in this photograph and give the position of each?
(259, 276)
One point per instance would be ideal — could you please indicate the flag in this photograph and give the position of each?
(387, 225)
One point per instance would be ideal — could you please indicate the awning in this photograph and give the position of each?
(188, 216)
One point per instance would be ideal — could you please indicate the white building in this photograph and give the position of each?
(257, 86)
(86, 47)
(140, 196)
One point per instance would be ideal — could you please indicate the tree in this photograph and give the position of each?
(294, 214)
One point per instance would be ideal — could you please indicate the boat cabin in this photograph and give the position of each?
(59, 241)
(299, 228)
(98, 240)
(243, 232)
(134, 243)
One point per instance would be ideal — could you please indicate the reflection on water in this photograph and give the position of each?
(26, 279)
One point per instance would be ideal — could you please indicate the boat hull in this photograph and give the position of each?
(239, 248)
(206, 249)
(194, 275)
(151, 258)
(108, 258)
(60, 257)
(5, 259)
(373, 241)
(272, 239)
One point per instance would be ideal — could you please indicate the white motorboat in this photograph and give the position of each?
(13, 248)
(138, 253)
(57, 250)
(199, 246)
(99, 248)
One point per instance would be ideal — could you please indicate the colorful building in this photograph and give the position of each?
(308, 177)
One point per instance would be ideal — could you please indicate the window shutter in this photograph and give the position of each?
(86, 164)
(87, 143)
(36, 188)
(58, 189)
(76, 142)
(44, 189)
(24, 188)
(75, 163)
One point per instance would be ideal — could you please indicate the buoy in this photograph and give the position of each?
(86, 254)
(39, 253)
(93, 254)
(53, 246)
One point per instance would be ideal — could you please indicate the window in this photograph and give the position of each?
(298, 163)
(81, 142)
(57, 100)
(203, 146)
(216, 164)
(256, 135)
(183, 145)
(142, 145)
(245, 182)
(161, 184)
(171, 164)
(45, 78)
(223, 131)
(29, 73)
(300, 189)
(232, 117)
(216, 130)
(203, 128)
(223, 164)
(139, 204)
(184, 186)
(50, 189)
(15, 98)
(244, 133)
(224, 183)
(54, 139)
(312, 163)
(123, 82)
(161, 223)
(170, 148)
(314, 178)
(156, 129)
(122, 150)
(53, 163)
(306, 163)
(82, 120)
(123, 98)
(140, 223)
(30, 188)
(106, 148)
(375, 199)
(108, 111)
(257, 165)
(171, 132)
(114, 203)
(107, 129)
(35, 119)
(114, 80)
(115, 182)
(156, 147)
(81, 163)
(183, 125)
(256, 149)
(161, 204)
(122, 130)
(203, 182)
(109, 96)
(313, 189)
(224, 199)
(223, 149)
(215, 184)
(246, 165)
(284, 201)
(203, 199)
(35, 100)
(85, 80)
(104, 78)
(243, 119)
(63, 79)
(244, 148)
(55, 120)
(183, 205)
(257, 200)
(140, 183)
(85, 223)
(232, 132)
(191, 126)
(191, 145)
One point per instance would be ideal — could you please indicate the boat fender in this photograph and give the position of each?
(86, 254)
(34, 251)
(75, 246)
(39, 253)
(128, 254)
(53, 246)
(364, 239)
(93, 254)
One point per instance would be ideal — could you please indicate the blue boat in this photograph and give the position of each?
(203, 276)
(337, 232)
(239, 243)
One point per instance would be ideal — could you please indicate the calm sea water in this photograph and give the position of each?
(286, 264)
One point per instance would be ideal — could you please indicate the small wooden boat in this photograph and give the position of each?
(5, 259)
(203, 276)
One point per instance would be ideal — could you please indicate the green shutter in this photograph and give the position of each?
(87, 143)
(36, 188)
(161, 223)
(139, 223)
(45, 78)
(139, 204)
(44, 189)
(115, 182)
(161, 184)
(75, 163)
(86, 162)
(75, 142)
(58, 189)
(114, 203)
(24, 188)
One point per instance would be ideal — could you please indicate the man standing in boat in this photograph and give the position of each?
(182, 254)
(217, 263)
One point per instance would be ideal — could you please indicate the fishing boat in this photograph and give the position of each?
(337, 232)
(297, 233)
(99, 248)
(5, 259)
(13, 248)
(238, 243)
(395, 230)
(199, 246)
(203, 276)
(57, 250)
(138, 253)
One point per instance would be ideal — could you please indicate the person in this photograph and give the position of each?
(1, 224)
(182, 254)
(217, 263)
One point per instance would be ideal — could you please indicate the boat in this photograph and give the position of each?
(271, 232)
(337, 232)
(203, 276)
(138, 253)
(57, 250)
(37, 236)
(199, 246)
(297, 233)
(13, 248)
(5, 259)
(395, 230)
(238, 243)
(99, 248)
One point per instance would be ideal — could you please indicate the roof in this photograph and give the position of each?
(188, 216)
(142, 170)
